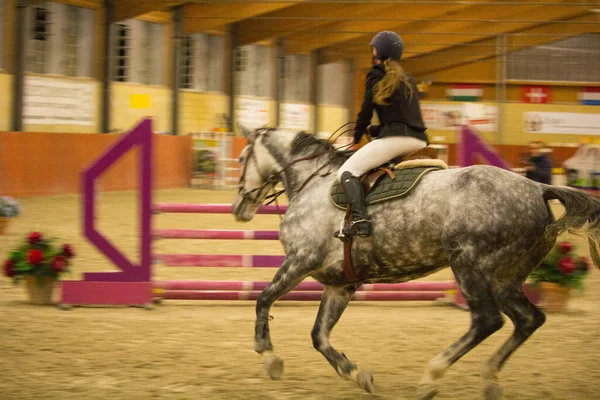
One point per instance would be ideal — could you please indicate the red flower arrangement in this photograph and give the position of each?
(38, 256)
(562, 266)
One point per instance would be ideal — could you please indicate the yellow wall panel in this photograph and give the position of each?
(127, 107)
(332, 117)
(272, 113)
(6, 82)
(200, 112)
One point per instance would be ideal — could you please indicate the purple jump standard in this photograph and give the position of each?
(131, 285)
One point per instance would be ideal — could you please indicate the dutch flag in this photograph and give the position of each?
(590, 96)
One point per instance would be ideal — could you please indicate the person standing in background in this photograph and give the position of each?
(538, 165)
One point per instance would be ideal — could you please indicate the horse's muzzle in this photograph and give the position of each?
(242, 210)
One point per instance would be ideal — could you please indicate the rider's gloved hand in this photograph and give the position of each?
(374, 130)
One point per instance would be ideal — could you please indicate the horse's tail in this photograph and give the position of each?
(580, 208)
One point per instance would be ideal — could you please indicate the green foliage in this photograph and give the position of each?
(39, 257)
(205, 162)
(562, 266)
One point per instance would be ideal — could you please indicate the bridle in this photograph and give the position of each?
(274, 178)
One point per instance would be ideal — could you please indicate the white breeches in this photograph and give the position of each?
(378, 152)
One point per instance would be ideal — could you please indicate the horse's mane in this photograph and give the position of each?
(307, 143)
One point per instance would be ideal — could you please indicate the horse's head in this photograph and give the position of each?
(258, 175)
(272, 156)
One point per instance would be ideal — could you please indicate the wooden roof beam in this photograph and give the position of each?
(126, 9)
(202, 17)
(301, 18)
(93, 4)
(457, 56)
(354, 30)
(454, 30)
(158, 17)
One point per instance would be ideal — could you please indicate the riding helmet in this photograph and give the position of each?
(388, 45)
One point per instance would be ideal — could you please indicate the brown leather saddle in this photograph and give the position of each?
(369, 180)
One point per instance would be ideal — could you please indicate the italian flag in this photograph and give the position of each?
(590, 96)
(464, 92)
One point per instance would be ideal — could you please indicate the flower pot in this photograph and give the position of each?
(554, 296)
(4, 225)
(40, 289)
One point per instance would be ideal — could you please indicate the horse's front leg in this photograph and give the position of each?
(290, 274)
(333, 303)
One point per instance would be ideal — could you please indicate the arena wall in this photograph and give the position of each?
(39, 163)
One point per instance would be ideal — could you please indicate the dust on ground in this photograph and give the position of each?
(204, 350)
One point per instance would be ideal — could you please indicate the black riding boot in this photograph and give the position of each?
(360, 225)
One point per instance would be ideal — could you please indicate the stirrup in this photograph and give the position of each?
(340, 235)
(350, 229)
(352, 223)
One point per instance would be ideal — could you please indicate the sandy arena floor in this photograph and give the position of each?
(196, 350)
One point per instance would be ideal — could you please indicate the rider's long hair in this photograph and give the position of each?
(394, 75)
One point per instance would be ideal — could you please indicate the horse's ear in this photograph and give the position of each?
(249, 134)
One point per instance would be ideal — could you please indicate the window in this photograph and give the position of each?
(39, 40)
(241, 59)
(138, 52)
(262, 71)
(71, 35)
(146, 53)
(296, 78)
(71, 32)
(335, 78)
(187, 64)
(151, 53)
(241, 70)
(122, 53)
(575, 59)
(202, 62)
(59, 39)
(253, 67)
(215, 63)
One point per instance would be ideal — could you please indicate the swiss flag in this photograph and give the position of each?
(536, 94)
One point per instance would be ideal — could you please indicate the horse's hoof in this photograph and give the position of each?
(427, 392)
(274, 367)
(261, 346)
(492, 391)
(365, 381)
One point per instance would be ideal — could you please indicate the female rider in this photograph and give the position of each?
(393, 94)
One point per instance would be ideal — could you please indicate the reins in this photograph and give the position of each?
(273, 179)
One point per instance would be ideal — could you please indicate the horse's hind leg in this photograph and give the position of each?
(333, 304)
(485, 320)
(288, 276)
(526, 317)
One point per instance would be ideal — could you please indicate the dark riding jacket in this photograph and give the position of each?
(542, 171)
(402, 117)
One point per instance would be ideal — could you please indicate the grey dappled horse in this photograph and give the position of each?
(491, 226)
